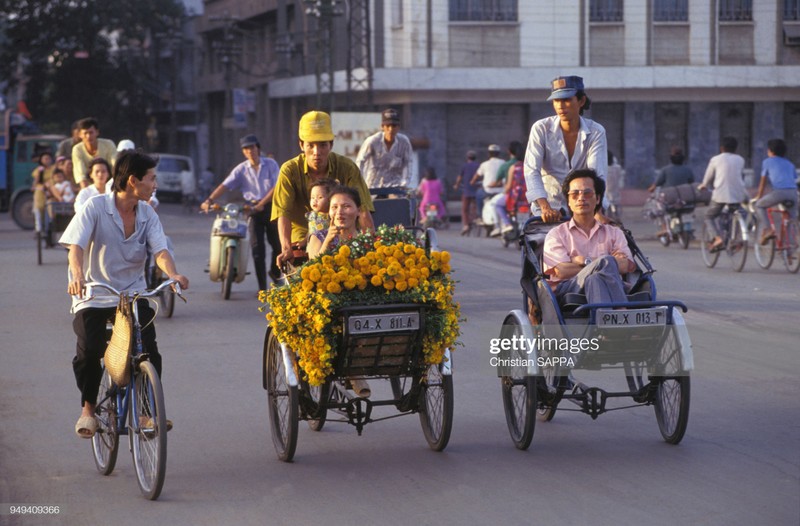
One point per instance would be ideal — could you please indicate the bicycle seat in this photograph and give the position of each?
(783, 206)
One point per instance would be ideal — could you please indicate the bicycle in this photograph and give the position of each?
(785, 241)
(141, 402)
(154, 277)
(732, 224)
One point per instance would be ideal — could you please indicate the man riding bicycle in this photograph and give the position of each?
(108, 242)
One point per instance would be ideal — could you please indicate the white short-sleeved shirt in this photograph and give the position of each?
(84, 195)
(382, 167)
(489, 170)
(108, 256)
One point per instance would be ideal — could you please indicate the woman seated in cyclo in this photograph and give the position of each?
(584, 255)
(344, 208)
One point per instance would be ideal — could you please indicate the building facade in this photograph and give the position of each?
(468, 73)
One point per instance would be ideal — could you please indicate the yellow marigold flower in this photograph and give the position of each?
(445, 256)
(344, 250)
(409, 249)
(420, 252)
(314, 274)
(304, 272)
(393, 269)
(349, 284)
(401, 285)
(388, 285)
(413, 282)
(327, 261)
(415, 273)
(424, 272)
(308, 285)
(376, 280)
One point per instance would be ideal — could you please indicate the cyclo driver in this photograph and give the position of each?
(292, 197)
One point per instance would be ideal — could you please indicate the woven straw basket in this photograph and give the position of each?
(118, 353)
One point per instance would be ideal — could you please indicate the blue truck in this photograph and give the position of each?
(20, 147)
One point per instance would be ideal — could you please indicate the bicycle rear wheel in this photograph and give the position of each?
(764, 253)
(737, 243)
(672, 396)
(791, 250)
(148, 430)
(105, 442)
(436, 407)
(707, 237)
(283, 401)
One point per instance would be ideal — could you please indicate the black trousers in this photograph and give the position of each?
(90, 327)
(260, 226)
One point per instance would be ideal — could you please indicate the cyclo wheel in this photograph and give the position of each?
(282, 400)
(737, 243)
(167, 298)
(227, 278)
(105, 442)
(519, 394)
(436, 407)
(672, 396)
(707, 237)
(148, 430)
(791, 248)
(321, 394)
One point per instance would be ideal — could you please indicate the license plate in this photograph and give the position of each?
(369, 323)
(631, 318)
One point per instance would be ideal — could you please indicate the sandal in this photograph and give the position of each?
(86, 426)
(766, 236)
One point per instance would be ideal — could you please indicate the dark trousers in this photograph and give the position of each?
(260, 226)
(90, 327)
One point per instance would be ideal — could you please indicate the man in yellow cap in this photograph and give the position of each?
(292, 196)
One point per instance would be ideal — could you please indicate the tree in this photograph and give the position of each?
(77, 58)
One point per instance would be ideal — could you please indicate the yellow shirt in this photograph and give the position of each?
(292, 195)
(81, 158)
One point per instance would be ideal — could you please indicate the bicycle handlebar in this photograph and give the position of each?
(145, 294)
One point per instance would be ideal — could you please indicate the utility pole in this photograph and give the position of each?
(227, 50)
(324, 11)
(359, 53)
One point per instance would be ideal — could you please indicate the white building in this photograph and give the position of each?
(467, 73)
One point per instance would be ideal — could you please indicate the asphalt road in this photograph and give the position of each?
(739, 462)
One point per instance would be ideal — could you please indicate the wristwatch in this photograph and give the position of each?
(586, 261)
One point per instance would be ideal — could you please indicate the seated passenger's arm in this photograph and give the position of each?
(625, 265)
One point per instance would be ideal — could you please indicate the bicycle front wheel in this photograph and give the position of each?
(707, 237)
(519, 394)
(167, 298)
(737, 243)
(764, 253)
(105, 442)
(791, 250)
(148, 429)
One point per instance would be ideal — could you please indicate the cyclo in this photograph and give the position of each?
(373, 341)
(648, 341)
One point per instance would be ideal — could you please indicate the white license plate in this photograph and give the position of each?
(631, 318)
(369, 323)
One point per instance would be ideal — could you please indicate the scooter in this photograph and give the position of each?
(228, 249)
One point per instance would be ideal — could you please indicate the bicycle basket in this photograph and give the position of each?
(118, 353)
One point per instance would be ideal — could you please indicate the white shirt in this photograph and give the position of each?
(724, 175)
(489, 170)
(108, 256)
(382, 167)
(547, 162)
(84, 195)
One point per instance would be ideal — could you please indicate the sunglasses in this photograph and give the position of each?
(574, 194)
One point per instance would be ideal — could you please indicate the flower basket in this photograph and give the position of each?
(386, 267)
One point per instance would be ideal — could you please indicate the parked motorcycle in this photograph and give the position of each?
(228, 249)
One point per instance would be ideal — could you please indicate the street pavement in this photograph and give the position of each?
(739, 462)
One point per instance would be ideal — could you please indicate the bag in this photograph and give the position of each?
(118, 353)
(683, 196)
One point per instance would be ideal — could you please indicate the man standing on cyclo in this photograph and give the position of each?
(114, 231)
(293, 190)
(385, 157)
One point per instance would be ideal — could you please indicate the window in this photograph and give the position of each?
(483, 10)
(735, 10)
(605, 10)
(791, 10)
(671, 10)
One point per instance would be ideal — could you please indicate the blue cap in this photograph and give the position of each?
(248, 140)
(565, 87)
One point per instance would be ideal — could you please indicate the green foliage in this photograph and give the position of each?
(41, 38)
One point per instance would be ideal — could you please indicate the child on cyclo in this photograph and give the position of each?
(318, 218)
(62, 189)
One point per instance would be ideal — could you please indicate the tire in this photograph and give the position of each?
(282, 401)
(791, 249)
(105, 442)
(149, 444)
(168, 301)
(672, 395)
(765, 254)
(665, 239)
(737, 244)
(706, 237)
(39, 242)
(519, 395)
(436, 407)
(685, 238)
(320, 394)
(227, 278)
(22, 211)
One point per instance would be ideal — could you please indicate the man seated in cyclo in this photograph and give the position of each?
(114, 231)
(292, 197)
(583, 255)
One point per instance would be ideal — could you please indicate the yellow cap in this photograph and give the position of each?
(315, 126)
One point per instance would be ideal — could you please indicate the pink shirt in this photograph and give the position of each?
(568, 240)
